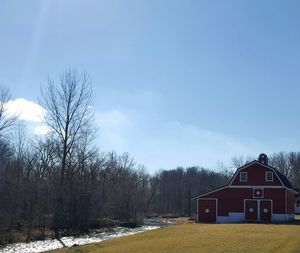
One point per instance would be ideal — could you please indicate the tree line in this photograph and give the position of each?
(61, 183)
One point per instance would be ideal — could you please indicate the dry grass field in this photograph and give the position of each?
(210, 238)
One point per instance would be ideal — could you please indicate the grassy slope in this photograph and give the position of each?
(210, 238)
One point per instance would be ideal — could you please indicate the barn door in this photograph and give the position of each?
(266, 210)
(207, 210)
(251, 210)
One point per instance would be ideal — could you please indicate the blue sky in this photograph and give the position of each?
(175, 82)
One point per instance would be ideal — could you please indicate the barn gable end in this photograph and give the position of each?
(256, 175)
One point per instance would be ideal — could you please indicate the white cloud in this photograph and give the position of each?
(25, 110)
(28, 111)
(152, 142)
(41, 130)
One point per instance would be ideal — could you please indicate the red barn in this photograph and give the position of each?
(257, 192)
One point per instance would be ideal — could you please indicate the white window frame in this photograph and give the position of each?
(262, 193)
(245, 173)
(266, 176)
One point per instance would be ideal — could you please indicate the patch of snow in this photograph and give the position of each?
(46, 245)
(168, 221)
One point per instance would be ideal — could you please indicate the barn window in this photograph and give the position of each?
(269, 176)
(243, 177)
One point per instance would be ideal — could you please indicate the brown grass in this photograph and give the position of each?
(210, 238)
(176, 221)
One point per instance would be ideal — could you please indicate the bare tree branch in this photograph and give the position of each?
(7, 121)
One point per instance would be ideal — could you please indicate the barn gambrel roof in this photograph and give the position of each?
(283, 179)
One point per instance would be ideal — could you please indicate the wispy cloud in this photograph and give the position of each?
(170, 144)
(181, 144)
(113, 127)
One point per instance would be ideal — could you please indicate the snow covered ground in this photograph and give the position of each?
(42, 246)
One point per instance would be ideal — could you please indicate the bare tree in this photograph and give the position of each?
(294, 160)
(239, 161)
(281, 162)
(69, 112)
(69, 116)
(7, 120)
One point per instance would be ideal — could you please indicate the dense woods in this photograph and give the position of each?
(62, 183)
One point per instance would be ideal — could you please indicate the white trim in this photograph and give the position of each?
(292, 190)
(263, 186)
(266, 176)
(249, 164)
(257, 186)
(208, 199)
(245, 186)
(217, 211)
(218, 189)
(262, 193)
(197, 214)
(246, 175)
(258, 208)
(271, 200)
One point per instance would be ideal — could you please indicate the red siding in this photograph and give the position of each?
(278, 197)
(290, 202)
(207, 210)
(265, 210)
(232, 199)
(256, 176)
(251, 210)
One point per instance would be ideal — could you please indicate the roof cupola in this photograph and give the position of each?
(263, 158)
